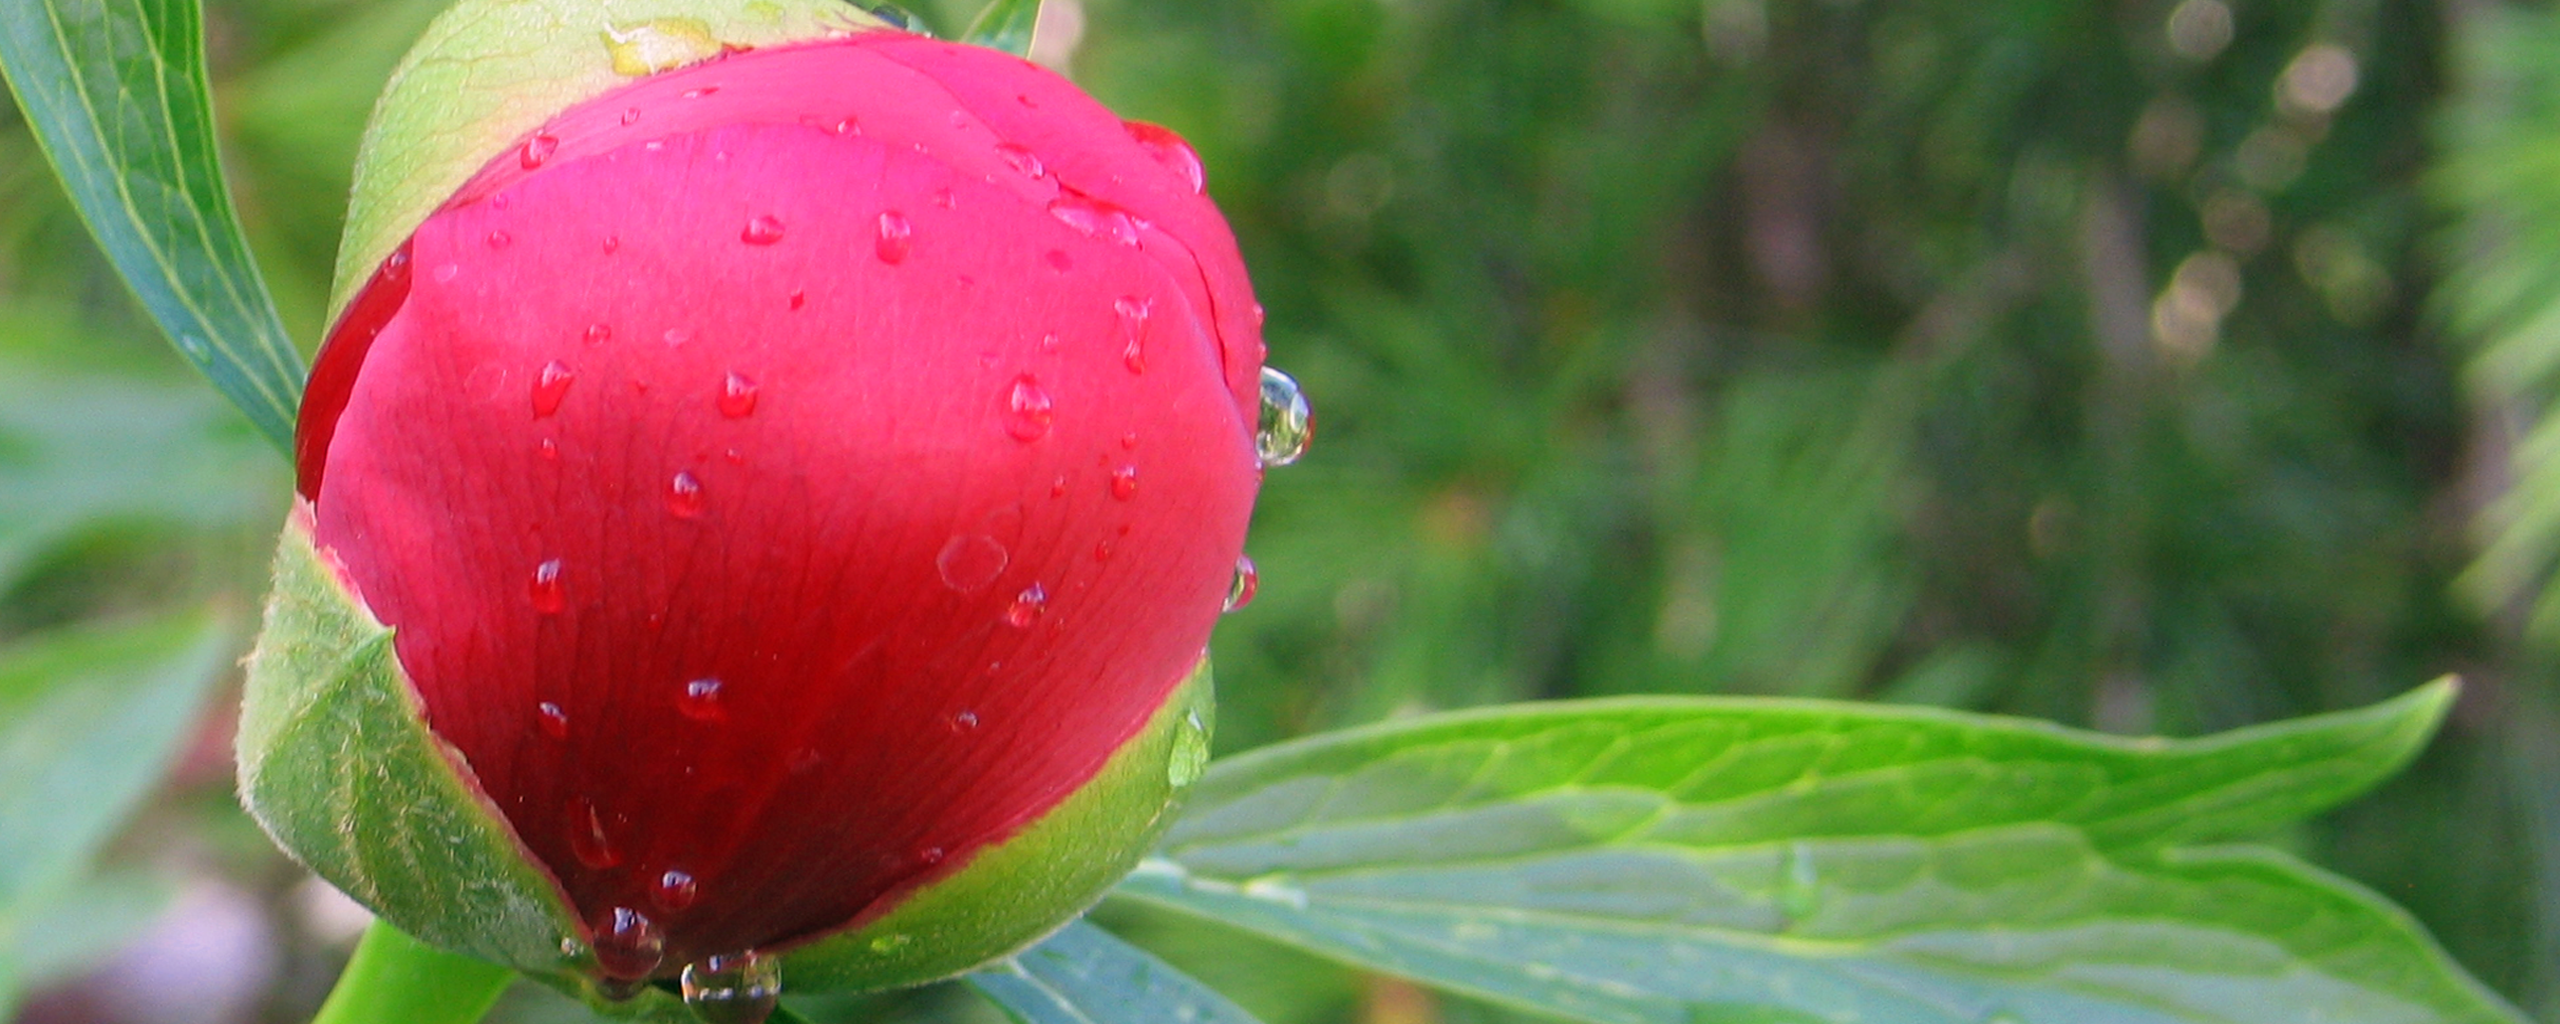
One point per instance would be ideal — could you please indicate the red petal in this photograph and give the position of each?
(790, 648)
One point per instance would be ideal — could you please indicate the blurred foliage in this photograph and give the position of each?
(2080, 360)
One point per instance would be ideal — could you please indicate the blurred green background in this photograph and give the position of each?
(2154, 366)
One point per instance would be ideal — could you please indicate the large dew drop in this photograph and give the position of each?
(1169, 150)
(1095, 218)
(1286, 423)
(550, 386)
(738, 988)
(629, 946)
(1134, 313)
(1027, 607)
(970, 561)
(1190, 752)
(897, 238)
(1027, 409)
(684, 496)
(764, 229)
(700, 700)
(544, 589)
(675, 890)
(1022, 160)
(738, 396)
(587, 839)
(536, 150)
(1244, 584)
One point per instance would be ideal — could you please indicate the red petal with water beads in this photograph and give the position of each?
(745, 550)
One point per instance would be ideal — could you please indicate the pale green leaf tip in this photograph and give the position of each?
(1006, 25)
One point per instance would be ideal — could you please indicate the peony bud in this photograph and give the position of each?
(775, 506)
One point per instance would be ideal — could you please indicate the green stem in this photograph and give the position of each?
(394, 979)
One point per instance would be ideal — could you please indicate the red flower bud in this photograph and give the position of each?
(789, 477)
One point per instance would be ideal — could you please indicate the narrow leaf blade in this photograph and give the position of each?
(1082, 975)
(1005, 25)
(1670, 861)
(117, 94)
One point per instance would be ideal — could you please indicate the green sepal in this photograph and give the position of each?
(1005, 25)
(337, 763)
(1017, 892)
(488, 72)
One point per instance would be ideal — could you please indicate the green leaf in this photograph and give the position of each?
(337, 764)
(89, 721)
(1005, 25)
(393, 977)
(1667, 861)
(1082, 975)
(78, 452)
(116, 92)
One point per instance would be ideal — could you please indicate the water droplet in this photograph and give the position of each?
(890, 943)
(1124, 482)
(631, 115)
(397, 266)
(1027, 607)
(629, 946)
(1286, 424)
(1022, 160)
(661, 45)
(1102, 551)
(675, 336)
(736, 988)
(545, 589)
(738, 396)
(684, 496)
(539, 148)
(1170, 150)
(897, 237)
(1028, 410)
(1059, 261)
(969, 562)
(548, 449)
(1129, 441)
(500, 239)
(598, 334)
(848, 126)
(554, 722)
(695, 94)
(675, 890)
(445, 272)
(1095, 218)
(1058, 487)
(765, 229)
(1134, 313)
(1048, 343)
(929, 856)
(195, 347)
(1190, 752)
(587, 840)
(1243, 585)
(700, 701)
(799, 298)
(612, 243)
(550, 386)
(966, 721)
(945, 199)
